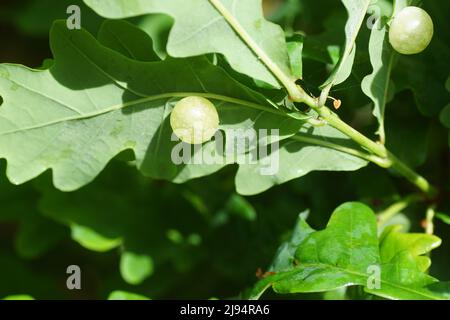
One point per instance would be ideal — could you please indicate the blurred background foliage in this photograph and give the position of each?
(201, 239)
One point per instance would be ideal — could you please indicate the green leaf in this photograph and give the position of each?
(123, 295)
(332, 258)
(92, 240)
(403, 265)
(394, 242)
(199, 28)
(401, 279)
(376, 85)
(128, 40)
(346, 252)
(135, 268)
(356, 10)
(349, 244)
(314, 149)
(94, 103)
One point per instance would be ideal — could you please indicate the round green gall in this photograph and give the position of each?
(411, 31)
(194, 120)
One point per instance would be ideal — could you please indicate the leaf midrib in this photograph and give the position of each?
(162, 96)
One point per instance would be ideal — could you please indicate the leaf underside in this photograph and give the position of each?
(197, 26)
(94, 103)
